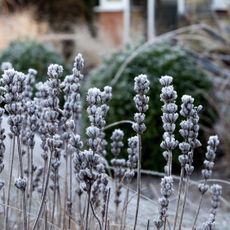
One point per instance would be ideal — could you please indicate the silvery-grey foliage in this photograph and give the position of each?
(216, 191)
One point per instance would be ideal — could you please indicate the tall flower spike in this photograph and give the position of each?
(166, 191)
(213, 143)
(203, 187)
(189, 131)
(141, 87)
(216, 191)
(168, 97)
(132, 157)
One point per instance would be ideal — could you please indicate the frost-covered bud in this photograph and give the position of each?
(169, 108)
(141, 85)
(119, 167)
(20, 183)
(6, 66)
(168, 94)
(189, 169)
(141, 102)
(117, 141)
(166, 80)
(187, 105)
(203, 188)
(107, 93)
(167, 186)
(139, 125)
(76, 142)
(94, 96)
(184, 147)
(79, 62)
(213, 143)
(54, 71)
(169, 142)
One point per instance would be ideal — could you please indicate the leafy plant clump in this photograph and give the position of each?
(31, 54)
(154, 62)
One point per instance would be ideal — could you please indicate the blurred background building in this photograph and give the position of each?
(104, 24)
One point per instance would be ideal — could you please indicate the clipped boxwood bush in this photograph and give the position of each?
(160, 59)
(31, 54)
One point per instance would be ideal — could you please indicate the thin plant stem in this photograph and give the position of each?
(118, 123)
(44, 175)
(170, 163)
(54, 198)
(66, 187)
(148, 223)
(138, 181)
(184, 201)
(23, 191)
(178, 197)
(44, 192)
(125, 207)
(70, 190)
(198, 211)
(31, 181)
(9, 185)
(59, 205)
(107, 209)
(87, 210)
(117, 204)
(96, 217)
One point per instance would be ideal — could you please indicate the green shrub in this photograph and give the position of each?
(31, 54)
(160, 59)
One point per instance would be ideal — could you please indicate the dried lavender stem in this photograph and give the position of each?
(138, 180)
(178, 197)
(70, 190)
(197, 212)
(23, 191)
(87, 210)
(44, 192)
(66, 188)
(54, 199)
(31, 182)
(124, 211)
(107, 208)
(118, 123)
(184, 201)
(9, 185)
(96, 217)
